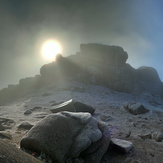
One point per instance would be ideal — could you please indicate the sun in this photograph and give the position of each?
(50, 49)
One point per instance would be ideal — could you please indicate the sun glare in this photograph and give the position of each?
(50, 49)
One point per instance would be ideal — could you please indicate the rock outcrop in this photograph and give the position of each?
(95, 63)
(13, 92)
(67, 135)
(107, 65)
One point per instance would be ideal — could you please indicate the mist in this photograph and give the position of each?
(135, 25)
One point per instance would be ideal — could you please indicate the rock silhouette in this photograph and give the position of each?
(95, 63)
(111, 55)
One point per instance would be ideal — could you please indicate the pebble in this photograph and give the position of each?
(5, 135)
(27, 112)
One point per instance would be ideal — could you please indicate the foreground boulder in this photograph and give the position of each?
(72, 106)
(135, 108)
(66, 135)
(10, 154)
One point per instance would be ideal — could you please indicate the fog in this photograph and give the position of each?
(25, 24)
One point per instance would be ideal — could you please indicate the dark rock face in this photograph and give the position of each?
(104, 53)
(14, 92)
(107, 65)
(59, 69)
(148, 79)
(68, 135)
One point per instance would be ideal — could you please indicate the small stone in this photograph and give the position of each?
(135, 108)
(17, 132)
(160, 137)
(121, 145)
(5, 135)
(145, 136)
(152, 154)
(106, 117)
(136, 161)
(46, 94)
(157, 136)
(36, 108)
(2, 128)
(25, 126)
(134, 124)
(27, 112)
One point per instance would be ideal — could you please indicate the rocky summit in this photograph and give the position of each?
(95, 63)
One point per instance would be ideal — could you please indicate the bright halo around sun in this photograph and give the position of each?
(50, 49)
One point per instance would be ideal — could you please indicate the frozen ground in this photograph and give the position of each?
(108, 105)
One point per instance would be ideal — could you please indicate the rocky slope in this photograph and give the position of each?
(18, 117)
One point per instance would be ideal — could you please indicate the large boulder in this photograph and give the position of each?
(149, 80)
(67, 135)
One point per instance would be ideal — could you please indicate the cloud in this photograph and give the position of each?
(134, 25)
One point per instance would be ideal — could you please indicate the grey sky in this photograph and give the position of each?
(135, 25)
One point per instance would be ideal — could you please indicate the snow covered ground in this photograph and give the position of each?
(107, 103)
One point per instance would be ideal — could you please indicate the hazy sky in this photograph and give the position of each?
(136, 25)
